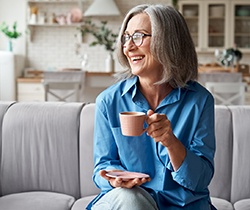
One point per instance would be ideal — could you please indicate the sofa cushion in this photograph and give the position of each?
(86, 151)
(36, 201)
(3, 108)
(242, 204)
(241, 153)
(221, 204)
(82, 203)
(40, 148)
(220, 185)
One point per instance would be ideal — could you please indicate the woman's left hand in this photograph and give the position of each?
(119, 182)
(159, 128)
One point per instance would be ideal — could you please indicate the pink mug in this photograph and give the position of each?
(132, 123)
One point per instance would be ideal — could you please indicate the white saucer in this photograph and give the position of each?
(126, 175)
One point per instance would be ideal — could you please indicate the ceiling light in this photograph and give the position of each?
(102, 8)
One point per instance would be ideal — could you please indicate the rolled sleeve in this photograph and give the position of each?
(195, 176)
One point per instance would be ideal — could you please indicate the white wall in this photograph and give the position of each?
(55, 47)
(11, 11)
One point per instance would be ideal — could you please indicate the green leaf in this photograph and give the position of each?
(102, 34)
(12, 34)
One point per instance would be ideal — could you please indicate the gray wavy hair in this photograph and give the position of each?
(171, 44)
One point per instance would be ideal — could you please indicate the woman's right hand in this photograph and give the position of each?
(119, 182)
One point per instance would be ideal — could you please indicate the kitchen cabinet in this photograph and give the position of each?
(207, 22)
(191, 12)
(240, 28)
(218, 24)
(53, 13)
(30, 89)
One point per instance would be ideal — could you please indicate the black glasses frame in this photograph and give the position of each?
(137, 38)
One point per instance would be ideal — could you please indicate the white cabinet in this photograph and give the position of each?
(207, 22)
(191, 11)
(217, 24)
(30, 90)
(240, 24)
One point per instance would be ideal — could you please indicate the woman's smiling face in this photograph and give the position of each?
(141, 61)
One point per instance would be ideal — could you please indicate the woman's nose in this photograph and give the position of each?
(129, 44)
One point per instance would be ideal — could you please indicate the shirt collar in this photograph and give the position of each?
(190, 86)
(173, 97)
(176, 94)
(130, 83)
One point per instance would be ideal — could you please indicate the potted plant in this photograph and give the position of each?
(103, 36)
(11, 34)
(175, 4)
(231, 57)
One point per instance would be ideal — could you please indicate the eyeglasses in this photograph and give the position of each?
(137, 38)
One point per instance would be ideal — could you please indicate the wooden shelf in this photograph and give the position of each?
(56, 25)
(54, 1)
(48, 4)
(29, 80)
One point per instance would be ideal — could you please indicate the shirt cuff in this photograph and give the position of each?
(186, 173)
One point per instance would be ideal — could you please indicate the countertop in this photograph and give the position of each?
(92, 79)
(39, 77)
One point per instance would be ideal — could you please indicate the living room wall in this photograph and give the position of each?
(54, 48)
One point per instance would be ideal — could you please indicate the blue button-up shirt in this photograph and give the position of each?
(191, 113)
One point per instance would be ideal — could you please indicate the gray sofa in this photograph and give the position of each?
(46, 155)
(46, 158)
(230, 186)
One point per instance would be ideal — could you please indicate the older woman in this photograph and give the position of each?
(177, 151)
